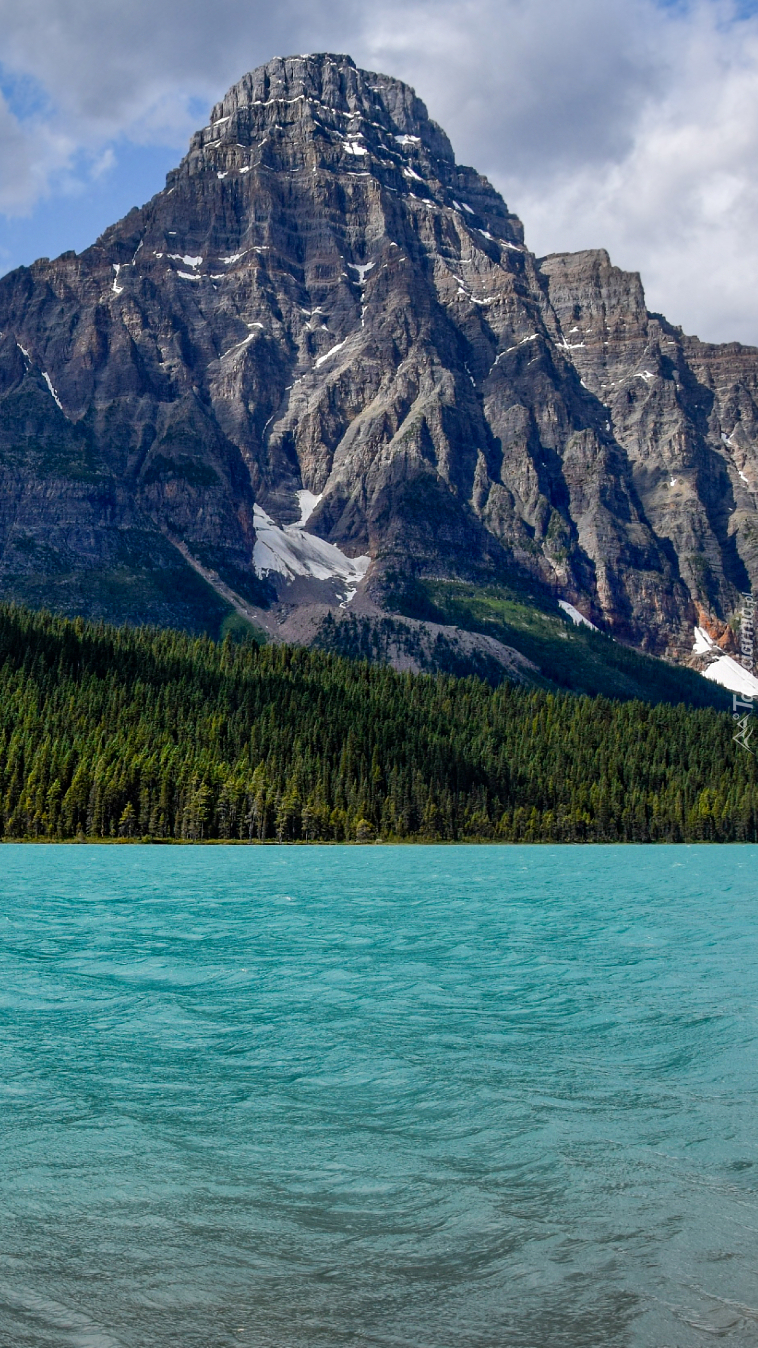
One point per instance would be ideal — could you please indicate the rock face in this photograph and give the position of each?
(323, 310)
(684, 414)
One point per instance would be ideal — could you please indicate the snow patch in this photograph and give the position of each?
(117, 289)
(409, 173)
(291, 552)
(189, 276)
(408, 140)
(361, 270)
(703, 642)
(577, 618)
(353, 147)
(228, 261)
(307, 500)
(49, 383)
(531, 338)
(267, 102)
(239, 345)
(224, 174)
(328, 354)
(724, 670)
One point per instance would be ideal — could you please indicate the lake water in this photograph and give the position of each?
(422, 1096)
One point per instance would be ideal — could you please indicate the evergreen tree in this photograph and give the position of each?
(122, 733)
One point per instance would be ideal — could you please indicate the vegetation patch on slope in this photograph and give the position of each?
(570, 657)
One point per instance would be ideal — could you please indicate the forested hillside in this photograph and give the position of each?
(115, 732)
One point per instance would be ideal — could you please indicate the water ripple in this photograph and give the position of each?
(378, 1096)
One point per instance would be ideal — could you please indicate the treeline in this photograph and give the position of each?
(122, 733)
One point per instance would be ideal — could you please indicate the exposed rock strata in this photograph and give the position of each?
(321, 299)
(684, 413)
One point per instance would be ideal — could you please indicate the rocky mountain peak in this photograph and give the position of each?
(328, 84)
(321, 113)
(322, 363)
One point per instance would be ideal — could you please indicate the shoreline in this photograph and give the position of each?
(376, 842)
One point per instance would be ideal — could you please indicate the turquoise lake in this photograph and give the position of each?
(419, 1096)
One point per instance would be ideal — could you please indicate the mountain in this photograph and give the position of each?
(321, 373)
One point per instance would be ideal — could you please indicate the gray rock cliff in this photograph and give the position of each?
(322, 306)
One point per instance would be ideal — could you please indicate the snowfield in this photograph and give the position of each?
(724, 670)
(577, 618)
(291, 552)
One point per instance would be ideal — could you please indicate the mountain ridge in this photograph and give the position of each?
(321, 302)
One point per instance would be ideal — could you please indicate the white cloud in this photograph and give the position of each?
(526, 81)
(620, 125)
(29, 154)
(625, 124)
(135, 68)
(680, 203)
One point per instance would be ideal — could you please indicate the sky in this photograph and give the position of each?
(630, 125)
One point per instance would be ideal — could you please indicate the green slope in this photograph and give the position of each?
(116, 732)
(569, 657)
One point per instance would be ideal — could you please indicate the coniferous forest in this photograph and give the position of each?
(136, 733)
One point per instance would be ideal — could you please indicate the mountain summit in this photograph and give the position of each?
(321, 367)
